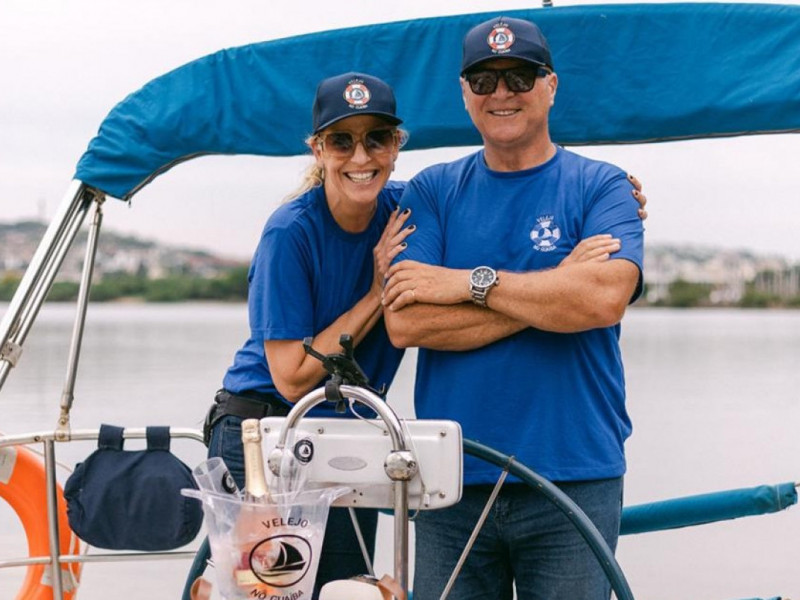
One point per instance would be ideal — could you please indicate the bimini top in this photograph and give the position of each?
(627, 74)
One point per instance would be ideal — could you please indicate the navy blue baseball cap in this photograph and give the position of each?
(352, 94)
(505, 37)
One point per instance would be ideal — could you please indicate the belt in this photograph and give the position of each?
(255, 405)
(250, 405)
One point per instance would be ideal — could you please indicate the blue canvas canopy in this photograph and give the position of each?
(627, 74)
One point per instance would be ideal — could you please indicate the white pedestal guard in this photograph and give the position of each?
(353, 452)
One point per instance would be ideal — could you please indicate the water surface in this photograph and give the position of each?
(712, 395)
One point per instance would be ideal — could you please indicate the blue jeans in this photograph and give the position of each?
(341, 555)
(526, 542)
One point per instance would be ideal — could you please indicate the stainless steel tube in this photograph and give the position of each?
(67, 395)
(52, 518)
(394, 428)
(39, 276)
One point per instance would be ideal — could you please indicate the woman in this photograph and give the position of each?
(318, 271)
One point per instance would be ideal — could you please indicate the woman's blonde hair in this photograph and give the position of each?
(314, 174)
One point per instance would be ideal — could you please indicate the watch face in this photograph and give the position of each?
(483, 277)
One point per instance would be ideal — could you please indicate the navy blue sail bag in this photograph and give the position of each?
(131, 500)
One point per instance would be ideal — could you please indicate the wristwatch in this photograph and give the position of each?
(481, 280)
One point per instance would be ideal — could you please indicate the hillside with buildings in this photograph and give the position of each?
(116, 254)
(677, 275)
(728, 275)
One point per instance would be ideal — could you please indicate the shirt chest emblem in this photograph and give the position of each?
(545, 234)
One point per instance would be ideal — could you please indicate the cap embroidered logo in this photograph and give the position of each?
(357, 94)
(501, 38)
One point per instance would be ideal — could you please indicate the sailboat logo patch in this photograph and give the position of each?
(281, 561)
(304, 451)
(228, 483)
(501, 38)
(356, 94)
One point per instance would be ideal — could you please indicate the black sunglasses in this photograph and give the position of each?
(518, 79)
(342, 144)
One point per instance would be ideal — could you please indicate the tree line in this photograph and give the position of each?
(232, 287)
(687, 294)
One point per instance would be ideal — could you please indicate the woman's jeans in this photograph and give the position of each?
(526, 542)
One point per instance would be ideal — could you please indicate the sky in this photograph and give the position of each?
(64, 64)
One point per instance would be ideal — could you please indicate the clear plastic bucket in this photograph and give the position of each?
(266, 551)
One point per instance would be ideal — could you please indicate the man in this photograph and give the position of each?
(516, 343)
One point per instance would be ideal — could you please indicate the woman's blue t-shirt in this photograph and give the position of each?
(306, 272)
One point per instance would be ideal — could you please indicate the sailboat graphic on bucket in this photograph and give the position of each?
(281, 561)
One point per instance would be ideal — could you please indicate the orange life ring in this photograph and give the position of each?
(23, 486)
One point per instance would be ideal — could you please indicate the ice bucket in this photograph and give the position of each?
(265, 551)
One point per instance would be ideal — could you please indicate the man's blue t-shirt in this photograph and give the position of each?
(306, 272)
(554, 401)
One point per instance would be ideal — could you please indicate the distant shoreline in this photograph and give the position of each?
(131, 269)
(139, 301)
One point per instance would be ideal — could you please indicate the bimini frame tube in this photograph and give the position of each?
(67, 395)
(400, 464)
(40, 274)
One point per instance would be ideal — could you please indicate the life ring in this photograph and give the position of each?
(23, 486)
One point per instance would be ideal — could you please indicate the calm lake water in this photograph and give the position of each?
(712, 394)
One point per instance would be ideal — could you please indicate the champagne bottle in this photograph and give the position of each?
(255, 482)
(257, 507)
